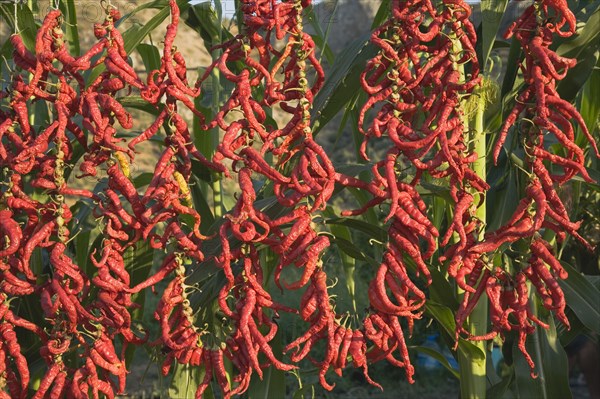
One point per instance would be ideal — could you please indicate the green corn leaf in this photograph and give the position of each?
(372, 231)
(320, 37)
(71, 30)
(137, 102)
(551, 366)
(348, 262)
(437, 356)
(25, 23)
(138, 261)
(273, 381)
(185, 380)
(445, 318)
(383, 13)
(582, 297)
(351, 250)
(150, 56)
(491, 16)
(342, 83)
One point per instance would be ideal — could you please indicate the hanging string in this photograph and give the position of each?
(107, 5)
(56, 4)
(16, 18)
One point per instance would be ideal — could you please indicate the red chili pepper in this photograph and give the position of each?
(48, 380)
(14, 350)
(208, 373)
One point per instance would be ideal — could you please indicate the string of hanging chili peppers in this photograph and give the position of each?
(417, 83)
(77, 321)
(415, 89)
(538, 114)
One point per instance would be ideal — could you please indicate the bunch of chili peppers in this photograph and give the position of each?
(417, 83)
(86, 335)
(420, 98)
(538, 114)
(288, 78)
(41, 158)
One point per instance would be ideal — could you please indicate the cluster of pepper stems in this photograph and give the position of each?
(417, 83)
